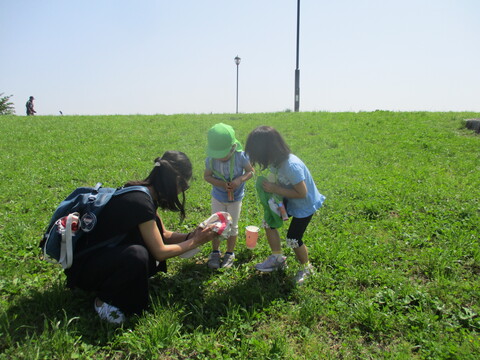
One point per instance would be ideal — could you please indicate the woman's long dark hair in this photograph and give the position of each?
(169, 176)
(265, 146)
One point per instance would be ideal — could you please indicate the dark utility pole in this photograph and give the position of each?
(297, 70)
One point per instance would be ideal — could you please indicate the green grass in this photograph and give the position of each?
(396, 246)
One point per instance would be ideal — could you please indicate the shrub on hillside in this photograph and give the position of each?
(6, 107)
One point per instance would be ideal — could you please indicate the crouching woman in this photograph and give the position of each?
(118, 273)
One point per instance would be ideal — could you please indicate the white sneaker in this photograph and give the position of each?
(272, 263)
(109, 313)
(302, 275)
(228, 260)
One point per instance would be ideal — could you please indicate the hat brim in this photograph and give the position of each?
(220, 154)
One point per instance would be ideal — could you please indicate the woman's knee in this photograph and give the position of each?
(135, 256)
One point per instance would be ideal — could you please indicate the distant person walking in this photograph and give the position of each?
(29, 105)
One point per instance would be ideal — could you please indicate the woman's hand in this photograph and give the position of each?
(162, 251)
(203, 235)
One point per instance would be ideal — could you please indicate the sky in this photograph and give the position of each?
(106, 57)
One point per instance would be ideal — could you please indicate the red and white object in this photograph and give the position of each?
(222, 223)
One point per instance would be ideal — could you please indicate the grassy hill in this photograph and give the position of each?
(396, 246)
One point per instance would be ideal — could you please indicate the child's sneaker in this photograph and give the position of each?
(272, 263)
(109, 313)
(302, 275)
(228, 260)
(214, 260)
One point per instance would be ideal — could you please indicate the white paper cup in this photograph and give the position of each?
(251, 236)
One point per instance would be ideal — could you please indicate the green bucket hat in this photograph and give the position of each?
(221, 138)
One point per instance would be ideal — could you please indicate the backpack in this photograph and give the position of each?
(75, 216)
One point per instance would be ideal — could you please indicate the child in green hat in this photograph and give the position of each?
(227, 168)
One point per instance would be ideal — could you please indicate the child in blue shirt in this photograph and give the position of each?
(291, 181)
(226, 168)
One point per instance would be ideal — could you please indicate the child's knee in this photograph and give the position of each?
(234, 230)
(294, 243)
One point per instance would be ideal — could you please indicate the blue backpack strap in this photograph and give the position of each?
(124, 190)
(97, 187)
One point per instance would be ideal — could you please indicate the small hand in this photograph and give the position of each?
(268, 186)
(236, 183)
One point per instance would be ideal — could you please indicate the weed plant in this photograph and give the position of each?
(396, 246)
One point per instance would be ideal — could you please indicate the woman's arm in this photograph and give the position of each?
(299, 191)
(162, 251)
(171, 237)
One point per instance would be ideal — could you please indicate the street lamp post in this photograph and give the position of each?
(237, 62)
(297, 70)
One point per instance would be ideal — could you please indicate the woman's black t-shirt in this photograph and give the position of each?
(121, 216)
